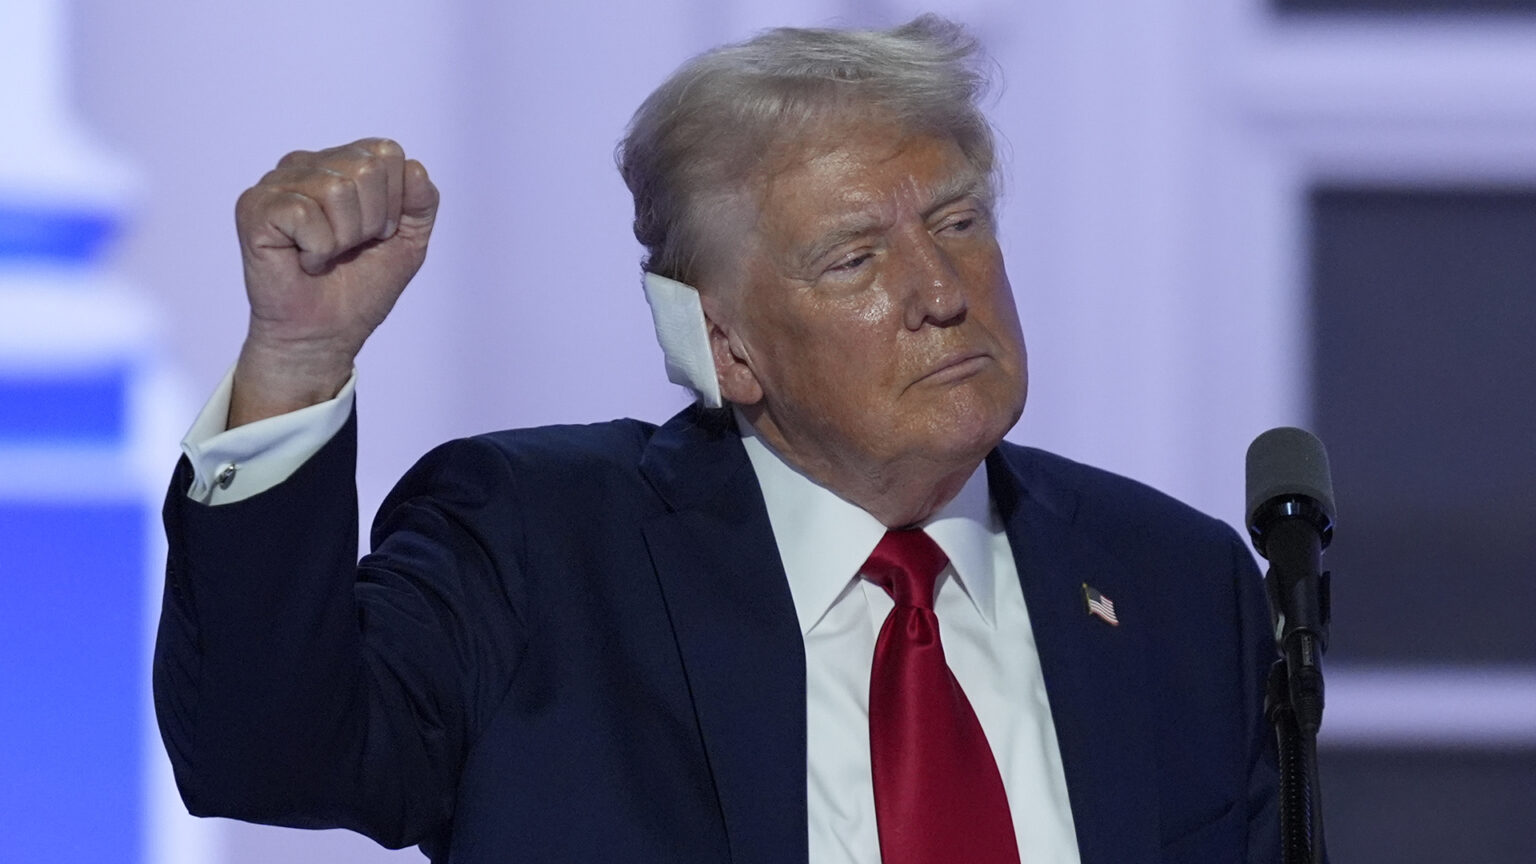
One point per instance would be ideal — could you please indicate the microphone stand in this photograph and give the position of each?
(1294, 698)
(1301, 825)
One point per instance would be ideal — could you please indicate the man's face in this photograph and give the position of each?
(872, 327)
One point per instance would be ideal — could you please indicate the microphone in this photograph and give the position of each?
(1290, 518)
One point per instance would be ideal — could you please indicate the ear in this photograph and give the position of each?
(733, 362)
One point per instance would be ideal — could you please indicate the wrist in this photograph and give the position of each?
(277, 379)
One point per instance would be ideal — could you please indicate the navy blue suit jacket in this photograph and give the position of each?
(578, 644)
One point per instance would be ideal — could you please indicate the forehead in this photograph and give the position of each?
(861, 174)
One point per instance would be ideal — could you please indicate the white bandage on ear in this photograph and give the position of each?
(684, 336)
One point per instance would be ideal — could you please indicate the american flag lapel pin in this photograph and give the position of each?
(1100, 606)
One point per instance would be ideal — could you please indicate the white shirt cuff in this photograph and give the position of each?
(230, 465)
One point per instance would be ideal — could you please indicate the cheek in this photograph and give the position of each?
(862, 346)
(998, 307)
(827, 354)
(843, 332)
(1007, 319)
(873, 312)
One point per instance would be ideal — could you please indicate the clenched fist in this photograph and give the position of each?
(329, 240)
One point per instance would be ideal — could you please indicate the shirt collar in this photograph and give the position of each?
(823, 539)
(964, 528)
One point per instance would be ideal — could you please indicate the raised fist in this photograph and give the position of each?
(329, 240)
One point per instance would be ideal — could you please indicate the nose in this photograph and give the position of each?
(937, 291)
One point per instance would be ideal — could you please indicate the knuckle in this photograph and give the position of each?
(292, 208)
(368, 166)
(258, 204)
(386, 148)
(295, 157)
(336, 188)
(250, 199)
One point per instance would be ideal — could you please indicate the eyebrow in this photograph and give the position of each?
(970, 184)
(956, 187)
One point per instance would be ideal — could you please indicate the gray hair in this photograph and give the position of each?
(708, 131)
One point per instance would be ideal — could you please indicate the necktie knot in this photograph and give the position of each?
(906, 564)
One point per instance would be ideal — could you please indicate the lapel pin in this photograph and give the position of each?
(1100, 606)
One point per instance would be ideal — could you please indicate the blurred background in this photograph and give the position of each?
(1219, 217)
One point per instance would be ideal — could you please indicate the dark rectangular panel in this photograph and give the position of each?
(1429, 807)
(1424, 308)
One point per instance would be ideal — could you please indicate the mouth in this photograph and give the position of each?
(956, 367)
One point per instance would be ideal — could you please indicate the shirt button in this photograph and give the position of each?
(227, 476)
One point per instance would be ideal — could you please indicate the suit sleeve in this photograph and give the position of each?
(297, 686)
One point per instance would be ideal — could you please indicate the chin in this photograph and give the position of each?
(979, 420)
(978, 439)
(966, 437)
(957, 427)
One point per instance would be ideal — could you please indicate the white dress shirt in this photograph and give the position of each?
(823, 540)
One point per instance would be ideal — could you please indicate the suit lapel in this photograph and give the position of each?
(734, 620)
(737, 634)
(1092, 670)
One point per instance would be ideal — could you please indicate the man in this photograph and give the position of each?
(838, 620)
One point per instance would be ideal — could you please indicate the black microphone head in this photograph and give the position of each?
(1288, 463)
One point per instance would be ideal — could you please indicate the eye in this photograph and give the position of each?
(961, 225)
(853, 263)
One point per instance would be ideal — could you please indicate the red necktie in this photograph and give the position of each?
(938, 795)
